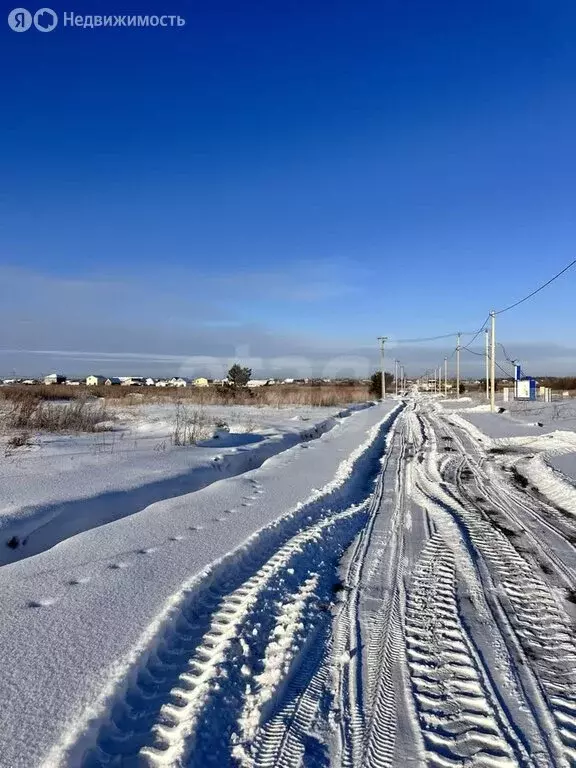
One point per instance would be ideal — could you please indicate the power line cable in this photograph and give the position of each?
(478, 332)
(479, 354)
(513, 362)
(540, 288)
(475, 334)
(505, 353)
(432, 338)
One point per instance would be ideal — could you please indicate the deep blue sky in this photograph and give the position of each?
(287, 178)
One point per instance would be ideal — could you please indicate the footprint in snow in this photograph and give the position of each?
(44, 602)
(176, 538)
(195, 527)
(78, 581)
(146, 550)
(229, 511)
(117, 566)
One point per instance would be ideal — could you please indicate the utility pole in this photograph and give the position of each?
(493, 361)
(396, 377)
(402, 379)
(445, 377)
(458, 367)
(487, 356)
(382, 340)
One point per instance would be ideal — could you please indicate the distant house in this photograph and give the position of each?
(259, 383)
(288, 381)
(177, 381)
(30, 381)
(132, 381)
(94, 381)
(200, 382)
(150, 382)
(161, 383)
(73, 383)
(112, 380)
(54, 378)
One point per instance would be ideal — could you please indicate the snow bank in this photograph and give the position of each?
(552, 484)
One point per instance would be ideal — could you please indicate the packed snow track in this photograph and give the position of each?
(420, 612)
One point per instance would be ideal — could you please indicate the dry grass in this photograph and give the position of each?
(277, 396)
(28, 411)
(190, 425)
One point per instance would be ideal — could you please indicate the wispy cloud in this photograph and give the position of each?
(82, 325)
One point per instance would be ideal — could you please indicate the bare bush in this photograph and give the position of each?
(190, 425)
(22, 412)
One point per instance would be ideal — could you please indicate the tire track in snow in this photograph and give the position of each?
(385, 656)
(517, 505)
(543, 628)
(282, 740)
(460, 723)
(379, 751)
(540, 624)
(202, 667)
(166, 707)
(278, 657)
(347, 644)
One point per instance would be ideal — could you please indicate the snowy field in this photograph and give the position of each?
(386, 587)
(62, 484)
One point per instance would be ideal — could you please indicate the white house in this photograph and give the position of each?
(161, 383)
(54, 378)
(132, 381)
(177, 381)
(259, 383)
(150, 382)
(93, 381)
(73, 383)
(112, 380)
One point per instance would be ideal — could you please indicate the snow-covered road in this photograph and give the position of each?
(395, 593)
